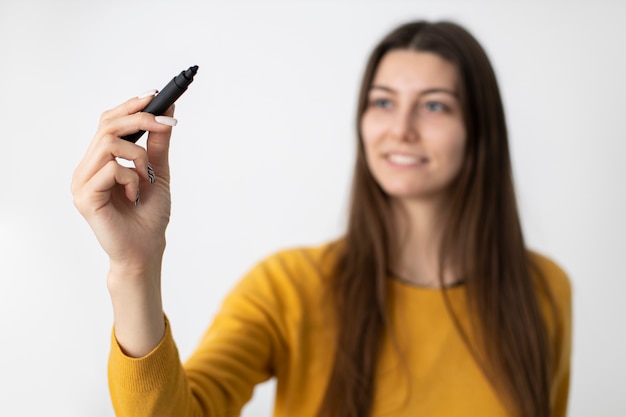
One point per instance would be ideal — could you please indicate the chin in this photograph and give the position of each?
(413, 192)
(410, 194)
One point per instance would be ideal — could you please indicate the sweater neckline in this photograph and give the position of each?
(398, 281)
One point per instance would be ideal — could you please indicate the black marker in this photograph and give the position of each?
(166, 97)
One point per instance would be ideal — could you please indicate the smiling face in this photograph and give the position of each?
(412, 129)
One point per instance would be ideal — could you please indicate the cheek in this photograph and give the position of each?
(456, 149)
(449, 143)
(372, 128)
(369, 133)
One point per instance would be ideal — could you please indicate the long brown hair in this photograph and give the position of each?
(482, 235)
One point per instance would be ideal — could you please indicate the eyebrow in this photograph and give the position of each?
(427, 91)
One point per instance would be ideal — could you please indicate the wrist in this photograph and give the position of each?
(137, 308)
(134, 273)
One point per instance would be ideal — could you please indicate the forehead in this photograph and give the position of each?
(407, 70)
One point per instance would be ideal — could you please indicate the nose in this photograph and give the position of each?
(403, 126)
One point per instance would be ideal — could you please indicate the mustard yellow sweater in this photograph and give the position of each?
(277, 323)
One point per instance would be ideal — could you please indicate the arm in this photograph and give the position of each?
(242, 347)
(128, 210)
(129, 213)
(556, 300)
(562, 367)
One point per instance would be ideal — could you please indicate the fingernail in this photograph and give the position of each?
(137, 199)
(151, 176)
(166, 120)
(147, 94)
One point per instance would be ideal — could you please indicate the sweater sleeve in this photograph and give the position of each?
(240, 349)
(154, 385)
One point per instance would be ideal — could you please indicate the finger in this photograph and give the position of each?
(97, 192)
(158, 145)
(107, 146)
(107, 149)
(130, 106)
(124, 125)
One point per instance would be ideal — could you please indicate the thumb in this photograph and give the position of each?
(158, 144)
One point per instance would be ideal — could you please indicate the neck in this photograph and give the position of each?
(419, 226)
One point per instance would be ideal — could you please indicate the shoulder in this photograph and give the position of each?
(555, 297)
(297, 269)
(557, 308)
(287, 288)
(314, 259)
(554, 276)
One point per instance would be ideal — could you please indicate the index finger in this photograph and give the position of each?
(130, 106)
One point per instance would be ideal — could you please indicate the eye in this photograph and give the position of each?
(435, 106)
(381, 103)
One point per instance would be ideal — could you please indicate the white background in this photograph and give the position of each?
(262, 159)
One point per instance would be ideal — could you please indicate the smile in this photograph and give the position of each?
(405, 160)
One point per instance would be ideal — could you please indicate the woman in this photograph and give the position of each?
(429, 305)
